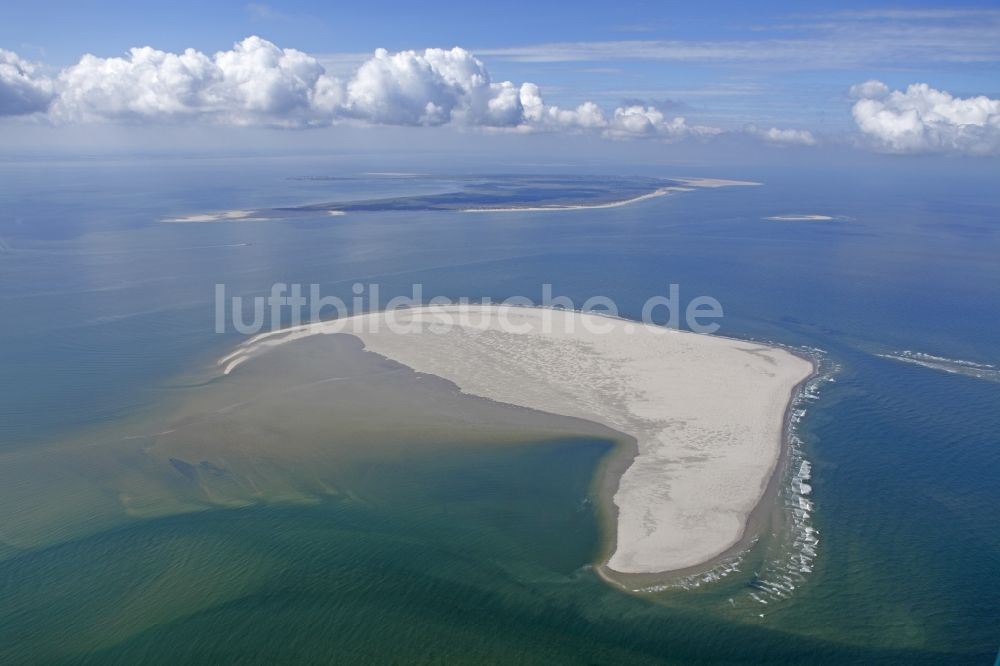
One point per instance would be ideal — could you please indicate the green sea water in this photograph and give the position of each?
(467, 556)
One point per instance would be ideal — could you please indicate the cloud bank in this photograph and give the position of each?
(924, 120)
(257, 83)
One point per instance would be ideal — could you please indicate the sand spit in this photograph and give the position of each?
(800, 218)
(707, 412)
(663, 191)
(688, 185)
(954, 366)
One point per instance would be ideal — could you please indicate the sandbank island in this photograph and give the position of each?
(706, 413)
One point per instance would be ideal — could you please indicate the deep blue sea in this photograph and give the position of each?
(103, 305)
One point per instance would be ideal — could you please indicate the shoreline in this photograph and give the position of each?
(663, 191)
(649, 534)
(755, 520)
(686, 185)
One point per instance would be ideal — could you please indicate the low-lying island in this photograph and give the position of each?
(706, 413)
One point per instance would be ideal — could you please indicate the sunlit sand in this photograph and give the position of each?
(707, 412)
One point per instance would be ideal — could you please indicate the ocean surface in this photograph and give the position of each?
(476, 550)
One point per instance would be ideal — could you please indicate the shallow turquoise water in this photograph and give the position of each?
(103, 306)
(467, 557)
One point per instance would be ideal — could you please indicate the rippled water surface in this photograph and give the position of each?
(481, 549)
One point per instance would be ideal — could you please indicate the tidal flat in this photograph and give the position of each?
(292, 427)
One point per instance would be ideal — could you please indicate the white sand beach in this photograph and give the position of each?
(707, 412)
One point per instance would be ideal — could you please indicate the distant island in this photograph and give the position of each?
(490, 194)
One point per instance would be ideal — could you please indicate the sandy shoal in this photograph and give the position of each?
(707, 412)
(800, 218)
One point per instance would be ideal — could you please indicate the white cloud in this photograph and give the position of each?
(433, 87)
(538, 116)
(255, 83)
(258, 83)
(23, 89)
(784, 137)
(870, 89)
(648, 121)
(922, 119)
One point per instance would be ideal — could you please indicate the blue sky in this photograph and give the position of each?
(731, 67)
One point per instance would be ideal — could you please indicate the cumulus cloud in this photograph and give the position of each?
(23, 89)
(538, 116)
(254, 83)
(922, 119)
(648, 121)
(784, 137)
(432, 87)
(259, 83)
